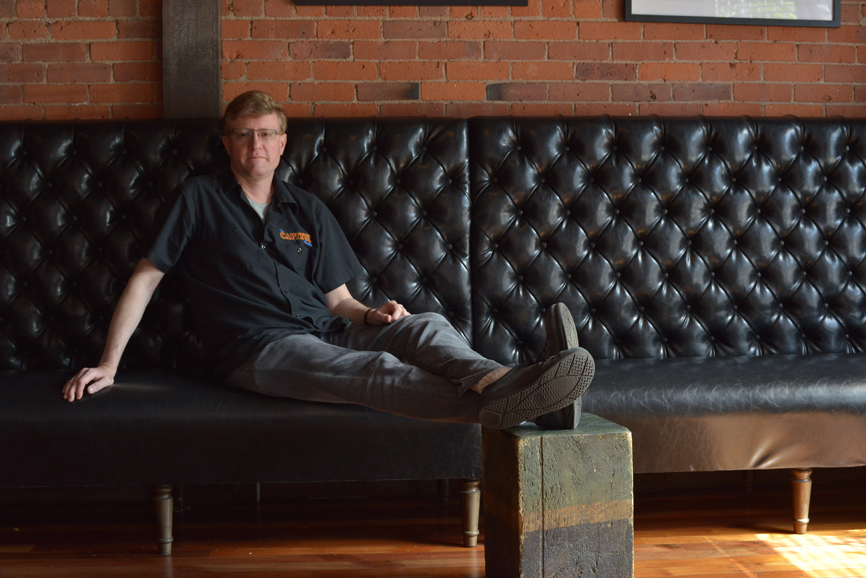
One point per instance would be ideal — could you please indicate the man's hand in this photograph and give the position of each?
(89, 379)
(387, 313)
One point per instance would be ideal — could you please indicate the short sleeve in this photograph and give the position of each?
(336, 263)
(173, 231)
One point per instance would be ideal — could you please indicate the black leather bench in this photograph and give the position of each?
(714, 268)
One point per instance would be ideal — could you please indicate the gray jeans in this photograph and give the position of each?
(418, 366)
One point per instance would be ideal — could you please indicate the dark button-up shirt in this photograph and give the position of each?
(250, 283)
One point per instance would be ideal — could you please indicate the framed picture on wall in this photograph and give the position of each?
(758, 12)
(412, 2)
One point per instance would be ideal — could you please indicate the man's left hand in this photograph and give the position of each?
(387, 313)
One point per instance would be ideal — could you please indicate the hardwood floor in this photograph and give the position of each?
(679, 532)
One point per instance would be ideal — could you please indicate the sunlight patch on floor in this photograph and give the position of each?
(822, 556)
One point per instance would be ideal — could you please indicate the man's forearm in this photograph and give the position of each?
(129, 311)
(352, 309)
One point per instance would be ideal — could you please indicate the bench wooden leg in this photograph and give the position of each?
(470, 497)
(444, 493)
(801, 487)
(162, 502)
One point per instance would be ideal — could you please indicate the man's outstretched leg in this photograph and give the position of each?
(419, 367)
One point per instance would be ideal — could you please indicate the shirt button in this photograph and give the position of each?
(263, 245)
(298, 315)
(300, 250)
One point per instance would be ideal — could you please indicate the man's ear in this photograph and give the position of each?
(225, 141)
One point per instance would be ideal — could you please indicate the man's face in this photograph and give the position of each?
(254, 157)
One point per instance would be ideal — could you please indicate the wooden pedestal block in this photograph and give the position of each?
(559, 503)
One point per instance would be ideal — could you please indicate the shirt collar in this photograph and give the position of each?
(281, 191)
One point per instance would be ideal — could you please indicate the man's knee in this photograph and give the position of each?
(428, 318)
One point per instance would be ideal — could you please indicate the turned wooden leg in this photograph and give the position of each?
(749, 483)
(801, 487)
(444, 492)
(470, 497)
(163, 504)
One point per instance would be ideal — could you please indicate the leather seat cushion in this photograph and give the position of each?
(724, 413)
(153, 428)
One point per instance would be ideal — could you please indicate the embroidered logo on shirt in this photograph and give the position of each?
(297, 237)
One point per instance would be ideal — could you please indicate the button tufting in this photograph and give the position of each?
(567, 213)
(568, 276)
(758, 275)
(782, 243)
(735, 308)
(543, 245)
(666, 275)
(449, 313)
(519, 212)
(520, 277)
(423, 212)
(373, 280)
(448, 181)
(448, 246)
(758, 211)
(688, 307)
(424, 280)
(618, 275)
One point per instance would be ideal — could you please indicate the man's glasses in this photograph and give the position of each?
(265, 134)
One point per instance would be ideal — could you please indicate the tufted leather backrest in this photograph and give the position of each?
(669, 237)
(78, 201)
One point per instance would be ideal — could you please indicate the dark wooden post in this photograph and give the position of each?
(559, 502)
(191, 86)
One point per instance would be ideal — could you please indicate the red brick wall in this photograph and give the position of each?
(101, 58)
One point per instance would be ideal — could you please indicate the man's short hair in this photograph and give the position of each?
(254, 103)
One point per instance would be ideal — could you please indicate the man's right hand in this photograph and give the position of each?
(127, 314)
(89, 379)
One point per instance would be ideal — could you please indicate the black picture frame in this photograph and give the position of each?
(664, 11)
(412, 2)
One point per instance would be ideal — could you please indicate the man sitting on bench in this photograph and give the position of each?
(265, 267)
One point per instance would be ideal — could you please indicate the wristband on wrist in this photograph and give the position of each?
(367, 312)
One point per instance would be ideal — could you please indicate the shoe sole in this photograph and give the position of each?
(556, 388)
(566, 332)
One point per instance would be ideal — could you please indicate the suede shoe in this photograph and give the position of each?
(561, 336)
(527, 392)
